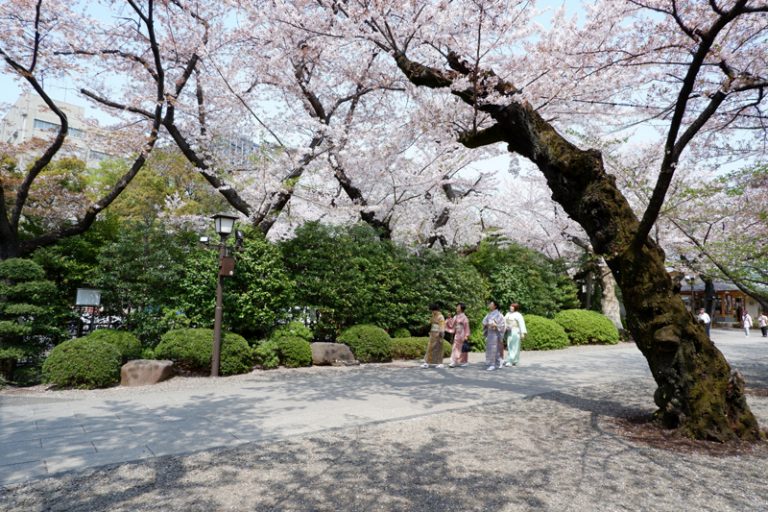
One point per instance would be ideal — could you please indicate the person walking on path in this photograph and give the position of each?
(705, 319)
(460, 336)
(762, 321)
(493, 330)
(434, 354)
(746, 322)
(514, 334)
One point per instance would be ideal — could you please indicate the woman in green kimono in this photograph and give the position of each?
(514, 334)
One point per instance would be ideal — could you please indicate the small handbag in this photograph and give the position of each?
(465, 347)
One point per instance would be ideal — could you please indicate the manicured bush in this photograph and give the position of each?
(192, 350)
(401, 332)
(369, 344)
(294, 352)
(583, 326)
(83, 363)
(414, 348)
(266, 355)
(295, 329)
(128, 344)
(543, 334)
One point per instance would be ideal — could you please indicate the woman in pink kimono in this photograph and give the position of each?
(460, 335)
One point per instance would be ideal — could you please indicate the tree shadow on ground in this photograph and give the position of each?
(548, 453)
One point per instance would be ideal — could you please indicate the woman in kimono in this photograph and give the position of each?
(434, 354)
(493, 330)
(514, 334)
(460, 335)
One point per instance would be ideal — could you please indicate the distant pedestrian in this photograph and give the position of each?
(762, 321)
(459, 356)
(434, 354)
(514, 334)
(705, 319)
(746, 322)
(449, 329)
(493, 330)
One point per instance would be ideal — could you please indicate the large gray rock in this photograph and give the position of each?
(141, 372)
(336, 354)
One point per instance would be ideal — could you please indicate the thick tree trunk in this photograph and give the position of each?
(697, 391)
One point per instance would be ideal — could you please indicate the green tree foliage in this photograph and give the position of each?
(83, 363)
(167, 184)
(585, 326)
(369, 344)
(349, 276)
(140, 273)
(543, 334)
(192, 349)
(518, 274)
(256, 298)
(295, 329)
(29, 313)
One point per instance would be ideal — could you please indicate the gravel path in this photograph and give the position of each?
(556, 451)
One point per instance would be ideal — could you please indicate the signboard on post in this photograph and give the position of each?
(88, 297)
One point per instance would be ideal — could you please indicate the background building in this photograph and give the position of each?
(30, 118)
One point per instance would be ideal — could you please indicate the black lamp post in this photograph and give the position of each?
(225, 224)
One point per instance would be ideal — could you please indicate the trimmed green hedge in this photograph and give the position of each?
(543, 334)
(583, 326)
(192, 349)
(83, 363)
(266, 355)
(294, 352)
(369, 344)
(401, 332)
(124, 341)
(414, 348)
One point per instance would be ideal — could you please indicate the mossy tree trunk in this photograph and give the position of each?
(697, 390)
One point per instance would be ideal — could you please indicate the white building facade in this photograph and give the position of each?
(30, 119)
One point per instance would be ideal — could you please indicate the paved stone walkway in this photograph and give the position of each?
(42, 434)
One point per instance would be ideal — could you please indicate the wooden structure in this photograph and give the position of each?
(729, 301)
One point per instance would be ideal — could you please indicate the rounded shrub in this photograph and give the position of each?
(83, 363)
(266, 355)
(369, 344)
(414, 348)
(192, 349)
(401, 332)
(294, 352)
(128, 344)
(295, 329)
(543, 334)
(584, 326)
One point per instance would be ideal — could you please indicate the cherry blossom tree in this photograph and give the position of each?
(696, 69)
(34, 32)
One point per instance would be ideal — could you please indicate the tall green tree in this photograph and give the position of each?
(256, 298)
(517, 274)
(30, 321)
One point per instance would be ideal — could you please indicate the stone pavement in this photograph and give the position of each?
(42, 434)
